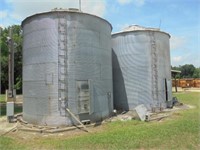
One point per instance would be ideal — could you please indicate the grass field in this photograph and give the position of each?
(180, 131)
(18, 108)
(2, 98)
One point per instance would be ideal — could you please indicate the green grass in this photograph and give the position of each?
(17, 108)
(2, 98)
(7, 143)
(2, 109)
(180, 131)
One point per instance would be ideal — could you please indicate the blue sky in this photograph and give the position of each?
(180, 18)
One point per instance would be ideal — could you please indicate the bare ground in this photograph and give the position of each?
(14, 129)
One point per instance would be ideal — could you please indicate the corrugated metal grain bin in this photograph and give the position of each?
(66, 64)
(141, 68)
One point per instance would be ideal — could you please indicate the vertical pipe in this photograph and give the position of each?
(12, 50)
(10, 64)
(175, 85)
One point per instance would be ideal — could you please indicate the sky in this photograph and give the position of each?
(179, 18)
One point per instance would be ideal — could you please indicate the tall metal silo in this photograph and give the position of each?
(67, 63)
(141, 68)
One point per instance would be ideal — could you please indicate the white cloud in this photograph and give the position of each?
(20, 9)
(177, 42)
(192, 58)
(135, 2)
(97, 7)
(186, 58)
(3, 14)
(24, 8)
(124, 1)
(139, 2)
(177, 59)
(114, 8)
(16, 17)
(183, 52)
(121, 27)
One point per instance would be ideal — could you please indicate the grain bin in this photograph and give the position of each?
(141, 68)
(66, 64)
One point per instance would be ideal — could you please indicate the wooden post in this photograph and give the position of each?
(10, 96)
(76, 119)
(175, 85)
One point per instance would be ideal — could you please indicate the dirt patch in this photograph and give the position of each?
(7, 128)
(180, 89)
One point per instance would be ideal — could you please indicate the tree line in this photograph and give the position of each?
(187, 71)
(17, 38)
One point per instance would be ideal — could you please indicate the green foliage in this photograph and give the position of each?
(2, 98)
(187, 71)
(17, 38)
(196, 73)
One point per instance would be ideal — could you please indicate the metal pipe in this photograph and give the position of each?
(10, 64)
(9, 61)
(12, 61)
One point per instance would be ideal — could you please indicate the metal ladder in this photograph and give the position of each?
(154, 62)
(62, 64)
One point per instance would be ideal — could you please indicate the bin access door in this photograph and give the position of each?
(83, 96)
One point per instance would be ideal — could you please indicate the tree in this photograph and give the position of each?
(196, 73)
(187, 71)
(17, 37)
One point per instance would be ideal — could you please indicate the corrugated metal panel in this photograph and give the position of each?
(141, 63)
(59, 49)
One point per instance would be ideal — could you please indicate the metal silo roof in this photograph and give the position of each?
(70, 10)
(137, 28)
